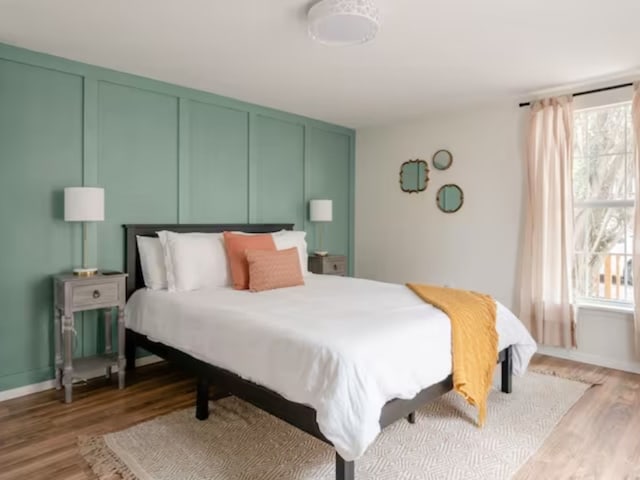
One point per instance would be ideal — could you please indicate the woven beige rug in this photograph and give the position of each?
(240, 442)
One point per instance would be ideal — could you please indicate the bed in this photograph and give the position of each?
(277, 349)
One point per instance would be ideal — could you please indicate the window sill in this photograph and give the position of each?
(605, 307)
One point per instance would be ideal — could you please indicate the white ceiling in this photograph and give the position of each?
(429, 55)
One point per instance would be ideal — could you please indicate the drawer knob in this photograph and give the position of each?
(96, 294)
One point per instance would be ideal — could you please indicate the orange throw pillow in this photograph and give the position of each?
(236, 246)
(270, 270)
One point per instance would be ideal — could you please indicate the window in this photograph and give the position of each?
(604, 193)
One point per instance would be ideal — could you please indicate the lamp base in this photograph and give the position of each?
(321, 253)
(85, 272)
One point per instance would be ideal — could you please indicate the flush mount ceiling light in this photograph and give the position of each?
(343, 22)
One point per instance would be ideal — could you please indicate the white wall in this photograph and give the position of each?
(403, 237)
(605, 337)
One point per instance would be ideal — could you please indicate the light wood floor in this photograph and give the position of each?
(598, 439)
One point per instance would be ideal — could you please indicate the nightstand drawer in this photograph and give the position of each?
(95, 294)
(329, 265)
(335, 267)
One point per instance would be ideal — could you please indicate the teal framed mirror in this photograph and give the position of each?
(450, 198)
(414, 176)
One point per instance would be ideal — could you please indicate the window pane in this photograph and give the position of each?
(598, 229)
(606, 130)
(607, 277)
(602, 144)
(580, 179)
(603, 242)
(603, 170)
(607, 177)
(631, 179)
(579, 135)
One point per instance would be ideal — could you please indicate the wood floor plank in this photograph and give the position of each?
(590, 442)
(599, 438)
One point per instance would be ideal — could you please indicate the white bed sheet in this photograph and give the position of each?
(344, 346)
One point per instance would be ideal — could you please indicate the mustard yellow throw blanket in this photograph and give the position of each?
(474, 340)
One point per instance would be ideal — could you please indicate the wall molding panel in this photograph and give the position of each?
(163, 153)
(183, 160)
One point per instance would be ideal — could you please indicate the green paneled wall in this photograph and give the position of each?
(41, 153)
(163, 153)
(326, 151)
(137, 163)
(278, 147)
(218, 166)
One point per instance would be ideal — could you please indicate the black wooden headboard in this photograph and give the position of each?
(132, 260)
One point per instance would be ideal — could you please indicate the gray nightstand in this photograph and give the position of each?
(328, 265)
(78, 294)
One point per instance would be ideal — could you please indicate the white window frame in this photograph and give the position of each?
(600, 100)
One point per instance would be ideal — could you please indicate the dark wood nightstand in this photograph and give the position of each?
(74, 294)
(328, 265)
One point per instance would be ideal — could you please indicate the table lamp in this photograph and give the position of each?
(84, 204)
(320, 211)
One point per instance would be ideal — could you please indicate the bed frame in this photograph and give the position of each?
(296, 414)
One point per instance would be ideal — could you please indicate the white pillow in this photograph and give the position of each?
(293, 238)
(194, 260)
(152, 262)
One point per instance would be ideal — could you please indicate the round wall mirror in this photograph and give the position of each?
(414, 176)
(450, 198)
(442, 159)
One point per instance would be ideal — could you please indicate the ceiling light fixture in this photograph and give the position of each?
(343, 22)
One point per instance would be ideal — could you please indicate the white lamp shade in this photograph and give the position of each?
(321, 210)
(83, 204)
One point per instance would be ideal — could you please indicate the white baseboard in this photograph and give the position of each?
(591, 359)
(50, 384)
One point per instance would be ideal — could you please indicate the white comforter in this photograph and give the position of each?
(344, 346)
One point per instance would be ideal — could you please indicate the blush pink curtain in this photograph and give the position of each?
(635, 113)
(547, 257)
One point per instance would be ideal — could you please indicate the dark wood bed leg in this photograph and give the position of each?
(411, 418)
(507, 370)
(202, 399)
(130, 351)
(344, 470)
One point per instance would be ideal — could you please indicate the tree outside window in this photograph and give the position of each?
(604, 193)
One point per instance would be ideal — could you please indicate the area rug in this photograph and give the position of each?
(240, 442)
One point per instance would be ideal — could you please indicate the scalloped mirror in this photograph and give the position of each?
(414, 176)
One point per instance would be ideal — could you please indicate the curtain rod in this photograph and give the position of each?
(587, 92)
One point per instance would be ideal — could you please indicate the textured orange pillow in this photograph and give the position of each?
(269, 270)
(236, 246)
